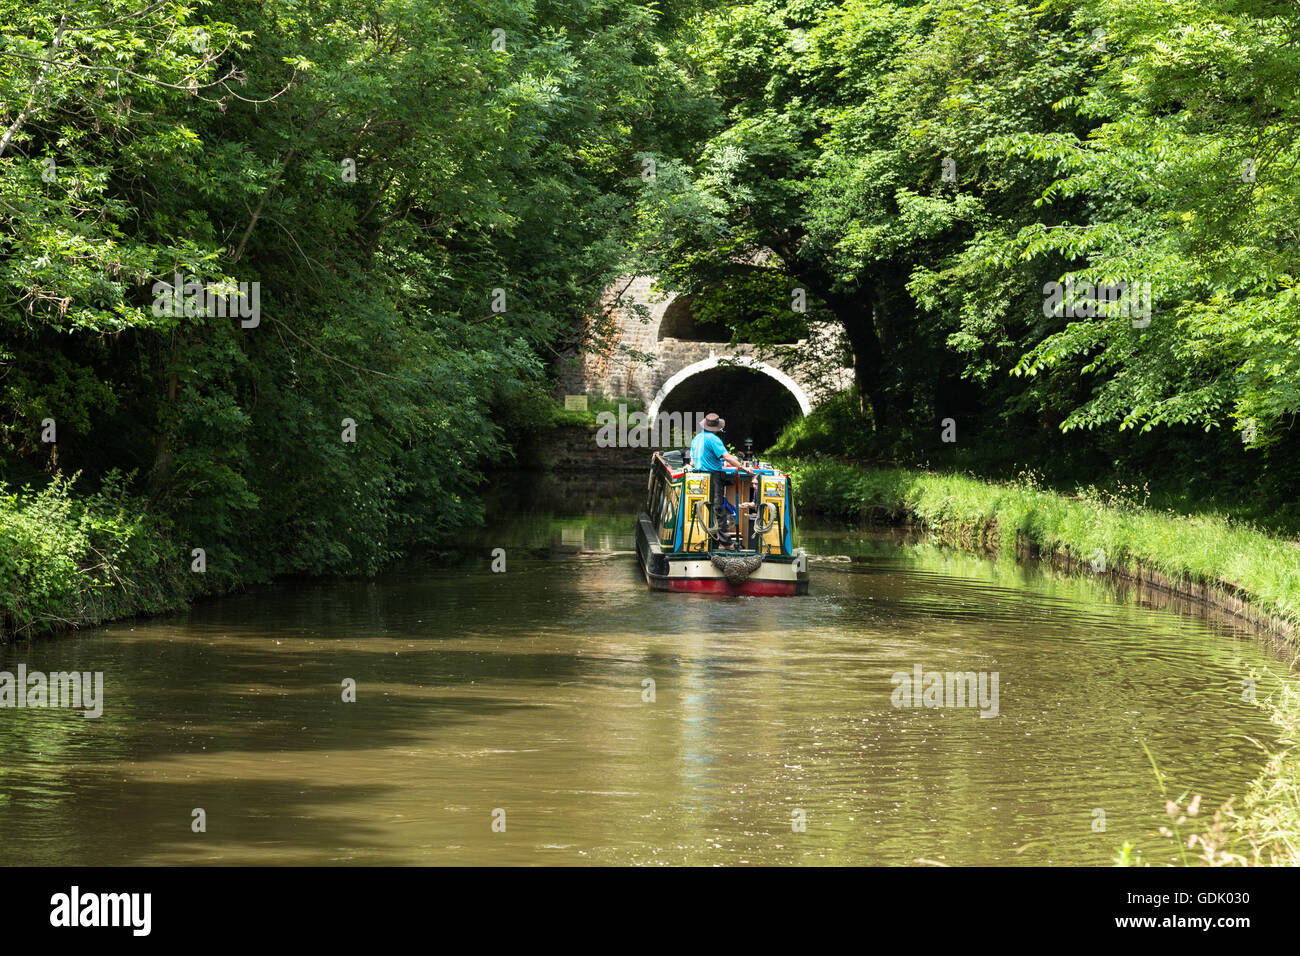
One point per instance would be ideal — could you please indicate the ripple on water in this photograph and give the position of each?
(526, 692)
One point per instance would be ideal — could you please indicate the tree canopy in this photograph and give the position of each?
(928, 169)
(424, 202)
(429, 196)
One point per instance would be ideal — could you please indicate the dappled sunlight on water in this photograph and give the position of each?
(523, 692)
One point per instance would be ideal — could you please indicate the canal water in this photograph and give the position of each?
(509, 717)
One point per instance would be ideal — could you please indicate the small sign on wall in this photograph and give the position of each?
(575, 403)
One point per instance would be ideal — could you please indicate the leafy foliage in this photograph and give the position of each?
(428, 208)
(928, 168)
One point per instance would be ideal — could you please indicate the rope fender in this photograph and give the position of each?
(736, 568)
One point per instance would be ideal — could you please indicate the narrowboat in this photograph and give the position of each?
(682, 546)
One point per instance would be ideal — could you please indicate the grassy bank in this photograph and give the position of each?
(71, 560)
(1206, 550)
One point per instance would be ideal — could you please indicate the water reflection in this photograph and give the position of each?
(523, 691)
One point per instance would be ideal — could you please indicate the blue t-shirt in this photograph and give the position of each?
(707, 450)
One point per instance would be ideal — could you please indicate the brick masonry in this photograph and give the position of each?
(617, 374)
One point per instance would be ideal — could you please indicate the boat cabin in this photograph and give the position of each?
(683, 545)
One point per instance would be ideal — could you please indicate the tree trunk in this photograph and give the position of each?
(862, 315)
(857, 314)
(161, 471)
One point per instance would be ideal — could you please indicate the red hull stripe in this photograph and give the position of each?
(720, 586)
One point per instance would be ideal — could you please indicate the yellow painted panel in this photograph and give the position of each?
(773, 493)
(696, 533)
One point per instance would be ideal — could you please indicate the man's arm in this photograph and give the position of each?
(730, 459)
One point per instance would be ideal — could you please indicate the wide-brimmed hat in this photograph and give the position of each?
(712, 423)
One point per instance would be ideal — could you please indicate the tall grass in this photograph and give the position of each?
(1203, 548)
(1269, 820)
(1265, 831)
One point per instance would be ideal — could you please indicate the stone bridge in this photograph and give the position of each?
(660, 355)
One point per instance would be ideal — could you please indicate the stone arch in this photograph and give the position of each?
(733, 361)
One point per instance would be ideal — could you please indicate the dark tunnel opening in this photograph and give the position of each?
(754, 405)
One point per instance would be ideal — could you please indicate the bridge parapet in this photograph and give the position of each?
(640, 365)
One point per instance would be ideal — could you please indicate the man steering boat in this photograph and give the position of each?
(708, 453)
